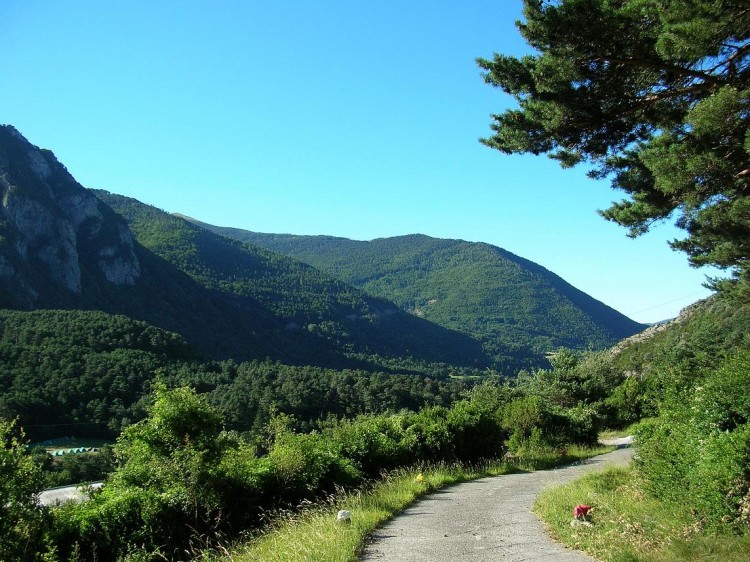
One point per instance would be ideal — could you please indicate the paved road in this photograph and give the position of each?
(68, 493)
(483, 520)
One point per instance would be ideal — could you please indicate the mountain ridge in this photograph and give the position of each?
(325, 300)
(474, 287)
(63, 246)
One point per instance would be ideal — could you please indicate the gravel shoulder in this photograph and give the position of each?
(483, 520)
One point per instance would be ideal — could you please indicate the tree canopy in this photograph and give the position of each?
(654, 95)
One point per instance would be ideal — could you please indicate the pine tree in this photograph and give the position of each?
(652, 94)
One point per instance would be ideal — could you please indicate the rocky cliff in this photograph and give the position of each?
(55, 235)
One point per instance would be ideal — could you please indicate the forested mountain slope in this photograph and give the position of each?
(89, 373)
(63, 246)
(306, 302)
(489, 293)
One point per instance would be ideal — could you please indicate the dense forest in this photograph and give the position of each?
(90, 374)
(503, 300)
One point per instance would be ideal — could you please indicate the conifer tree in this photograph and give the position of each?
(652, 94)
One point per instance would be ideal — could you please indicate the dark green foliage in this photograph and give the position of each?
(655, 95)
(306, 315)
(374, 443)
(78, 372)
(181, 476)
(698, 451)
(517, 309)
(253, 390)
(630, 401)
(23, 523)
(88, 373)
(176, 479)
(475, 429)
(306, 464)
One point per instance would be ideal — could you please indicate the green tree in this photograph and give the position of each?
(179, 477)
(22, 520)
(654, 95)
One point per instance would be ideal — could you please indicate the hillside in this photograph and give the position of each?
(79, 372)
(63, 246)
(699, 339)
(505, 301)
(302, 302)
(88, 373)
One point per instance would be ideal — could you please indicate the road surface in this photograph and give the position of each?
(68, 493)
(483, 520)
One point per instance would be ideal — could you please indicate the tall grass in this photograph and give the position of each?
(629, 525)
(314, 534)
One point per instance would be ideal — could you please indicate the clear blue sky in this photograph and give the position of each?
(349, 118)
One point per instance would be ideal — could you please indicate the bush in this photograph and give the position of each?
(23, 523)
(429, 434)
(375, 443)
(476, 430)
(176, 479)
(627, 403)
(303, 465)
(698, 451)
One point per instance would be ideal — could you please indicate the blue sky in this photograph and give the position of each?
(349, 118)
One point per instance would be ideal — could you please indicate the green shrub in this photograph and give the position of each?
(627, 403)
(428, 431)
(375, 443)
(177, 479)
(304, 465)
(476, 430)
(23, 523)
(698, 451)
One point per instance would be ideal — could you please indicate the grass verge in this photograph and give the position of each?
(313, 534)
(629, 525)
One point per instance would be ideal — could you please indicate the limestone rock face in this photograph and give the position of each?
(52, 229)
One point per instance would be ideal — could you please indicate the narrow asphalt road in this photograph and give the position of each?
(482, 520)
(76, 493)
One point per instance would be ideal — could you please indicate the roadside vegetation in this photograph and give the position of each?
(314, 533)
(629, 523)
(687, 496)
(182, 481)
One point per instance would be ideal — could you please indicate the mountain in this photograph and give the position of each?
(303, 301)
(56, 238)
(503, 300)
(66, 247)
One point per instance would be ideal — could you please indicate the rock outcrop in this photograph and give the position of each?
(52, 229)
